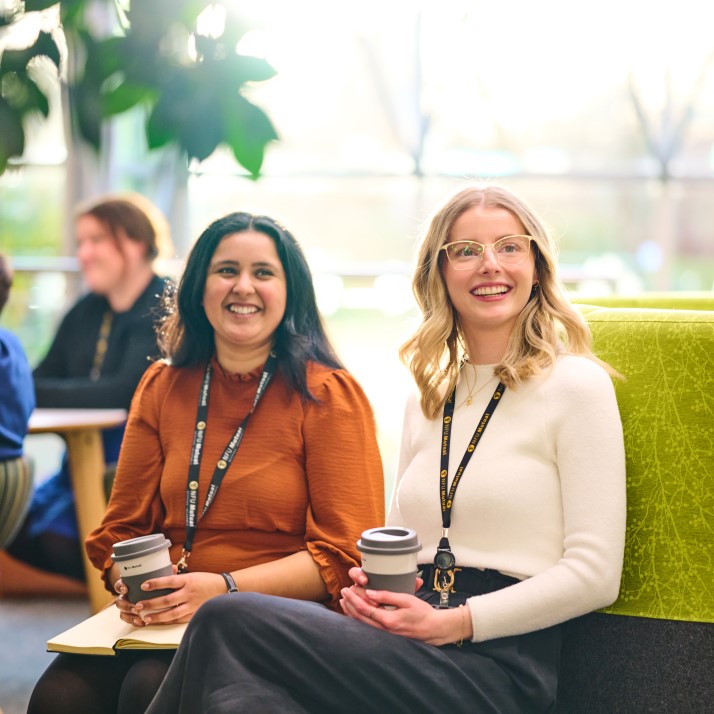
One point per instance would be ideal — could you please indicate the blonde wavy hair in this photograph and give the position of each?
(547, 325)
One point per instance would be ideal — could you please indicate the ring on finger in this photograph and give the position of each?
(374, 609)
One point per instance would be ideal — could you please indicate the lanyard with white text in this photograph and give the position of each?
(444, 560)
(223, 463)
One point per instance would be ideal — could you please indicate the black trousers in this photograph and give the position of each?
(258, 653)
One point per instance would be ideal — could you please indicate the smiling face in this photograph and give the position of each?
(105, 262)
(488, 297)
(244, 297)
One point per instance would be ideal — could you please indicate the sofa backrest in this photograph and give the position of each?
(667, 407)
(664, 300)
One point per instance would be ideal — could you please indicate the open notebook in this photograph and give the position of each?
(105, 633)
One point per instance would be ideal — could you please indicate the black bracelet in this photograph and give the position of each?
(230, 583)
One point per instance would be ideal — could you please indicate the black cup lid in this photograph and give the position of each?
(141, 546)
(389, 540)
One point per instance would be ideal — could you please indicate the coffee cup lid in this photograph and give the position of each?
(139, 547)
(389, 539)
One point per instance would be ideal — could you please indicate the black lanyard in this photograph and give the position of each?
(444, 560)
(223, 463)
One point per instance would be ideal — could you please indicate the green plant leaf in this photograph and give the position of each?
(245, 68)
(23, 95)
(9, 15)
(17, 60)
(161, 124)
(13, 90)
(207, 47)
(111, 55)
(150, 19)
(201, 136)
(71, 13)
(46, 45)
(186, 11)
(194, 104)
(87, 113)
(187, 112)
(248, 131)
(36, 98)
(124, 97)
(12, 134)
(37, 5)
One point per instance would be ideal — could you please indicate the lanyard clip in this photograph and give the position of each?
(182, 564)
(444, 580)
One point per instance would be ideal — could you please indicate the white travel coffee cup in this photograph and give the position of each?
(141, 559)
(389, 558)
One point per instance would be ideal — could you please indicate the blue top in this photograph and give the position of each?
(17, 395)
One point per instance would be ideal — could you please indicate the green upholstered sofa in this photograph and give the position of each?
(653, 649)
(681, 300)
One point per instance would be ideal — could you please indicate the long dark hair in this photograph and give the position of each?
(186, 335)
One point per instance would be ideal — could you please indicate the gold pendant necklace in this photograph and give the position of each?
(471, 393)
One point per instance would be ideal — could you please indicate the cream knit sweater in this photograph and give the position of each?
(542, 499)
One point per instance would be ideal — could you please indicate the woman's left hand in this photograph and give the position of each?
(411, 617)
(190, 591)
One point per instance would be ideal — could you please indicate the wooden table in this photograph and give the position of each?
(81, 429)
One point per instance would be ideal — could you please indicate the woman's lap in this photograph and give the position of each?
(239, 646)
(91, 683)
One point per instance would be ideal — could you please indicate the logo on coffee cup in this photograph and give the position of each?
(140, 559)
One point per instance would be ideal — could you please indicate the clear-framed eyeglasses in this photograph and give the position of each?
(465, 254)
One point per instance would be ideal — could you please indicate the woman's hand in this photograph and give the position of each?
(361, 581)
(190, 591)
(124, 605)
(408, 615)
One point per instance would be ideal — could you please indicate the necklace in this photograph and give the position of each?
(465, 367)
(101, 348)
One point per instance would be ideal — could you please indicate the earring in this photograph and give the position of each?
(534, 290)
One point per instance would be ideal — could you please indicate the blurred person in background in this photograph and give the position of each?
(99, 353)
(17, 400)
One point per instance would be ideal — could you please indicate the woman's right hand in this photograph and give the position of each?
(359, 579)
(404, 614)
(361, 582)
(125, 606)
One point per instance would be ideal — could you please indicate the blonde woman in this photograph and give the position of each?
(512, 473)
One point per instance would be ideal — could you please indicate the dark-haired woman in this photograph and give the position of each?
(102, 347)
(250, 447)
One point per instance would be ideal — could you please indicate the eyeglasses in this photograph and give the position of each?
(465, 254)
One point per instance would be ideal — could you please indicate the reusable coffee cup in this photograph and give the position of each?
(141, 559)
(389, 558)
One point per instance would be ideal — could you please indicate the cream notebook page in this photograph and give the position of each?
(105, 632)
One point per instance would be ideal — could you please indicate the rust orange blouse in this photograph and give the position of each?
(306, 476)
